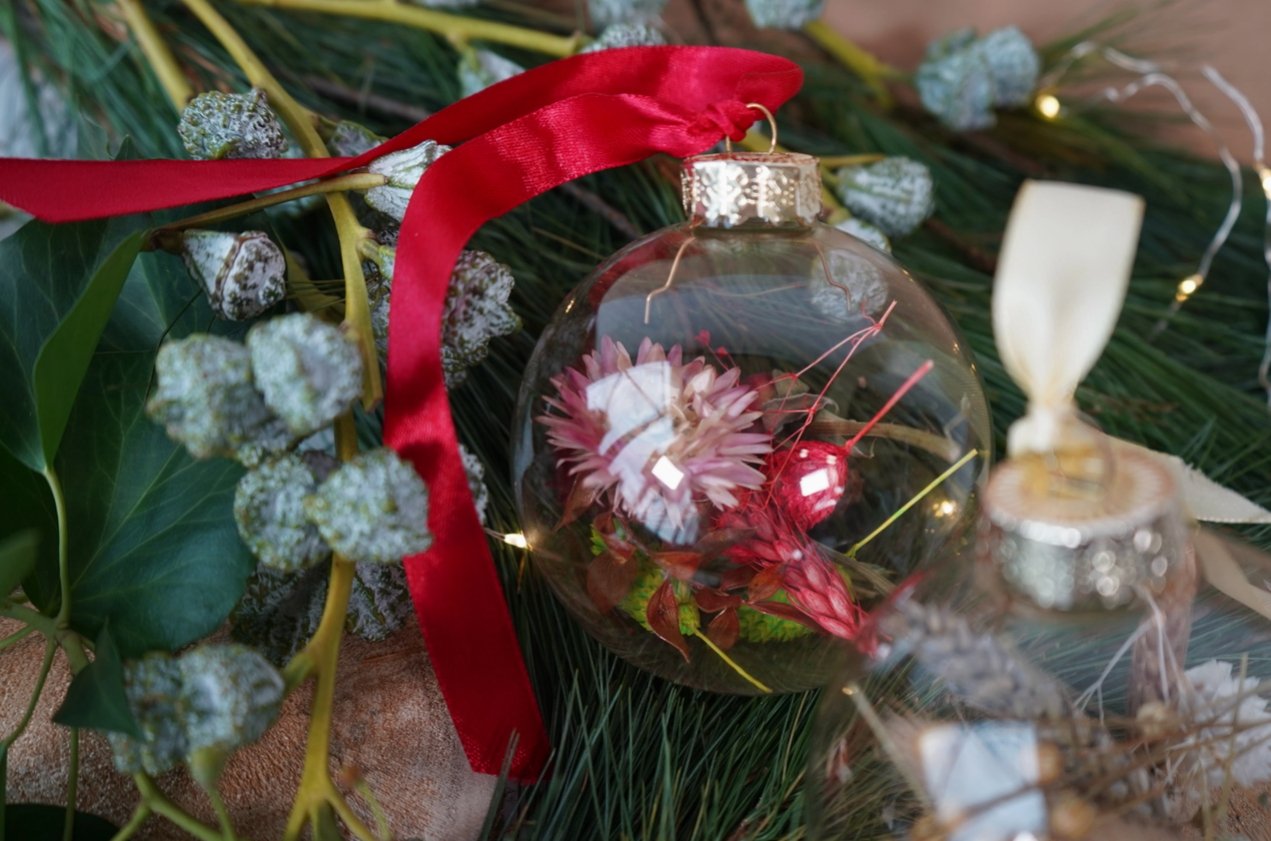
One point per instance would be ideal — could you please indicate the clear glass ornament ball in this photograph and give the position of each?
(740, 432)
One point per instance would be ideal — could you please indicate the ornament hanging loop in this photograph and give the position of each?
(772, 127)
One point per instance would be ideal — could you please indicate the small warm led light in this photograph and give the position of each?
(516, 539)
(665, 471)
(946, 508)
(1188, 286)
(1264, 174)
(1048, 105)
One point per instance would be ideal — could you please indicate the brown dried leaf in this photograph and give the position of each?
(724, 628)
(664, 617)
(609, 579)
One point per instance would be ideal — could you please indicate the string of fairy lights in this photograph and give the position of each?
(1149, 74)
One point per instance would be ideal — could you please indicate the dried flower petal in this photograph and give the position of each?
(403, 170)
(307, 370)
(206, 400)
(896, 194)
(217, 125)
(784, 14)
(374, 509)
(1229, 726)
(244, 274)
(269, 511)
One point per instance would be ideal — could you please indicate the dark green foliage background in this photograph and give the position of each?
(638, 758)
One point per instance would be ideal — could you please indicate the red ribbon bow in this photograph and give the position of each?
(513, 141)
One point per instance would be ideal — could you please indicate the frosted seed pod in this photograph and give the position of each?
(476, 311)
(217, 125)
(896, 194)
(205, 399)
(866, 233)
(479, 69)
(230, 695)
(307, 370)
(269, 511)
(627, 35)
(784, 14)
(152, 686)
(955, 83)
(374, 509)
(244, 274)
(403, 170)
(476, 481)
(1013, 65)
(349, 139)
(608, 12)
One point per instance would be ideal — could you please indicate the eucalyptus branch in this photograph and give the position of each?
(340, 183)
(863, 63)
(154, 799)
(457, 28)
(157, 54)
(357, 308)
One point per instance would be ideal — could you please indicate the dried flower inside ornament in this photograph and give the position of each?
(741, 432)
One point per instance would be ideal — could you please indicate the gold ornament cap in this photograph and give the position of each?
(1059, 546)
(752, 190)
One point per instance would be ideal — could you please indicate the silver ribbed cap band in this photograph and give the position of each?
(752, 190)
(1072, 552)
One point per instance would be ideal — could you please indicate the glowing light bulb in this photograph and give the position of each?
(516, 539)
(1264, 174)
(1048, 105)
(1188, 286)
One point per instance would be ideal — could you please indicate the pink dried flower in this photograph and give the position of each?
(662, 434)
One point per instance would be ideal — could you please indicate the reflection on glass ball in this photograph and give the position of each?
(731, 444)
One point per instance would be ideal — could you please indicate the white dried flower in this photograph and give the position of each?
(1229, 726)
(373, 509)
(230, 695)
(403, 170)
(784, 14)
(476, 311)
(627, 35)
(608, 12)
(153, 687)
(480, 69)
(269, 511)
(896, 194)
(217, 125)
(308, 371)
(866, 233)
(206, 400)
(244, 274)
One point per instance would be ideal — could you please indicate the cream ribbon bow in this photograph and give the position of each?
(1061, 282)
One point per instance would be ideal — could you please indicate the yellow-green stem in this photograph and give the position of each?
(16, 637)
(139, 816)
(866, 65)
(159, 803)
(340, 183)
(455, 27)
(158, 56)
(47, 663)
(357, 307)
(732, 664)
(63, 547)
(918, 497)
(72, 788)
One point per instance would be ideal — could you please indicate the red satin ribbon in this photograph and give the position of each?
(514, 141)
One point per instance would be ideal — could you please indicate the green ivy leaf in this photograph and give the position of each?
(41, 822)
(153, 546)
(57, 291)
(96, 698)
(17, 557)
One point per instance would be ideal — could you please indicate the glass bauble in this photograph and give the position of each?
(1073, 675)
(740, 432)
